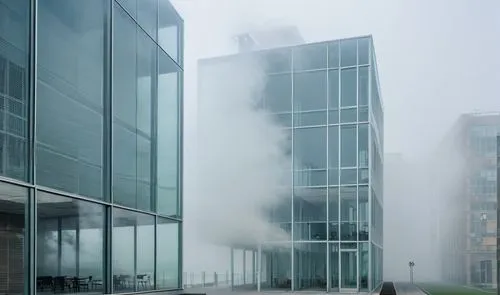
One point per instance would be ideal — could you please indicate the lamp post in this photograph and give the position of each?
(411, 264)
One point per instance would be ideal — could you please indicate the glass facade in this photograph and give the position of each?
(90, 146)
(327, 96)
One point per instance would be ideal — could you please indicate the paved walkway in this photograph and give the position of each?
(407, 289)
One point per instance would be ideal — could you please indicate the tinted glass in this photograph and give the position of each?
(134, 83)
(348, 115)
(363, 88)
(168, 136)
(13, 88)
(363, 145)
(310, 118)
(309, 91)
(167, 264)
(333, 89)
(75, 229)
(70, 95)
(333, 54)
(147, 16)
(278, 93)
(278, 60)
(348, 87)
(130, 6)
(310, 148)
(348, 53)
(169, 29)
(348, 146)
(309, 57)
(310, 278)
(363, 51)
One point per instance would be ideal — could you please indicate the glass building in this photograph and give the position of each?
(90, 146)
(469, 224)
(327, 96)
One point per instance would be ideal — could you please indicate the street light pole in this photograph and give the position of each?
(411, 264)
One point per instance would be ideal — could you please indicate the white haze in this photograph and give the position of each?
(436, 60)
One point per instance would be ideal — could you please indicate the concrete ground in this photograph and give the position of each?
(408, 289)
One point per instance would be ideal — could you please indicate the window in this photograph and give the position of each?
(348, 146)
(278, 93)
(348, 88)
(363, 51)
(170, 27)
(70, 96)
(333, 89)
(333, 54)
(348, 52)
(309, 57)
(167, 264)
(70, 237)
(310, 154)
(363, 88)
(309, 91)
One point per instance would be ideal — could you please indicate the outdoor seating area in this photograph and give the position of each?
(68, 284)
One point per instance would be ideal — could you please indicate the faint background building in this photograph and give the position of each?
(327, 97)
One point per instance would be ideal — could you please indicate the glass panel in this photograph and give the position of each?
(363, 145)
(333, 54)
(348, 176)
(348, 52)
(333, 117)
(13, 201)
(310, 149)
(363, 86)
(309, 91)
(70, 248)
(278, 93)
(283, 119)
(348, 115)
(349, 271)
(333, 89)
(310, 118)
(310, 266)
(309, 214)
(133, 84)
(147, 16)
(276, 265)
(334, 267)
(130, 6)
(169, 25)
(309, 57)
(348, 146)
(13, 88)
(167, 264)
(333, 155)
(168, 136)
(363, 266)
(333, 214)
(348, 87)
(278, 60)
(133, 236)
(364, 210)
(70, 95)
(363, 114)
(280, 215)
(363, 51)
(348, 213)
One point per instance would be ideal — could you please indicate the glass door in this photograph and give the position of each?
(348, 270)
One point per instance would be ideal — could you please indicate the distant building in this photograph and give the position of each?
(468, 206)
(327, 95)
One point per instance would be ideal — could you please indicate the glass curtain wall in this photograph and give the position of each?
(321, 93)
(80, 142)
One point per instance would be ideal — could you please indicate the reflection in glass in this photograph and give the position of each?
(13, 200)
(168, 136)
(310, 266)
(348, 213)
(333, 214)
(312, 118)
(147, 13)
(363, 87)
(348, 115)
(348, 176)
(333, 155)
(278, 60)
(310, 155)
(309, 91)
(133, 238)
(74, 229)
(276, 266)
(13, 88)
(333, 54)
(363, 51)
(167, 264)
(334, 266)
(70, 95)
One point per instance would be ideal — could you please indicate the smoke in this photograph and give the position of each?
(243, 167)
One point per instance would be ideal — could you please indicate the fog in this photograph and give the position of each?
(436, 60)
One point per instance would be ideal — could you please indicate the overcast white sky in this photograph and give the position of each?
(436, 59)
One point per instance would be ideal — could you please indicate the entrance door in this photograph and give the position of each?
(349, 270)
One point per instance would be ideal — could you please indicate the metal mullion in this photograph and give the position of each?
(292, 236)
(339, 152)
(370, 159)
(357, 165)
(327, 172)
(155, 251)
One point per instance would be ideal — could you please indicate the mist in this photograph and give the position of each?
(436, 60)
